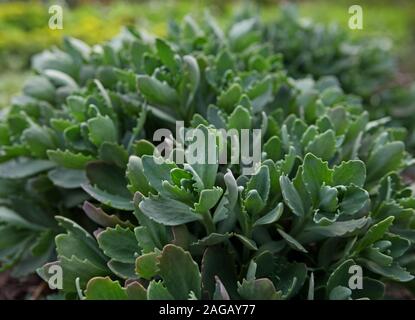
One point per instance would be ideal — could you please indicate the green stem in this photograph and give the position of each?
(208, 222)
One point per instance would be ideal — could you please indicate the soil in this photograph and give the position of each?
(30, 287)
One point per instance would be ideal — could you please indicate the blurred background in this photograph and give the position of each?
(24, 25)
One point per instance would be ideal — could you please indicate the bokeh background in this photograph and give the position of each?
(24, 25)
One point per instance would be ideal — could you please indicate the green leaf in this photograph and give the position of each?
(253, 202)
(258, 289)
(290, 277)
(40, 88)
(273, 148)
(394, 272)
(211, 271)
(190, 81)
(114, 153)
(119, 244)
(168, 212)
(271, 216)
(136, 177)
(156, 172)
(324, 145)
(229, 98)
(122, 270)
(208, 199)
(157, 291)
(340, 276)
(336, 229)
(108, 177)
(212, 239)
(315, 174)
(77, 241)
(294, 244)
(239, 119)
(374, 233)
(146, 265)
(291, 196)
(260, 182)
(38, 139)
(102, 129)
(76, 107)
(67, 178)
(354, 199)
(166, 54)
(143, 147)
(157, 92)
(110, 200)
(350, 172)
(69, 159)
(203, 170)
(328, 199)
(340, 293)
(74, 268)
(23, 167)
(136, 291)
(385, 159)
(249, 243)
(100, 217)
(180, 273)
(100, 288)
(13, 218)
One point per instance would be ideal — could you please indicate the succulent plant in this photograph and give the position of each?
(325, 196)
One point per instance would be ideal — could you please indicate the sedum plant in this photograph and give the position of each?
(77, 149)
(311, 211)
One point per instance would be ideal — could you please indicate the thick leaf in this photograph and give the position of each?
(67, 178)
(354, 199)
(100, 217)
(294, 244)
(146, 265)
(336, 229)
(23, 168)
(110, 200)
(212, 271)
(168, 212)
(259, 289)
(315, 174)
(69, 159)
(323, 146)
(180, 273)
(271, 216)
(208, 199)
(385, 159)
(350, 172)
(100, 288)
(155, 172)
(158, 291)
(374, 233)
(102, 129)
(119, 244)
(239, 119)
(291, 196)
(157, 92)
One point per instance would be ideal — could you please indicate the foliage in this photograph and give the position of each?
(327, 194)
(366, 67)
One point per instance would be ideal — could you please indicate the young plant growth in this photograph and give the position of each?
(82, 189)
